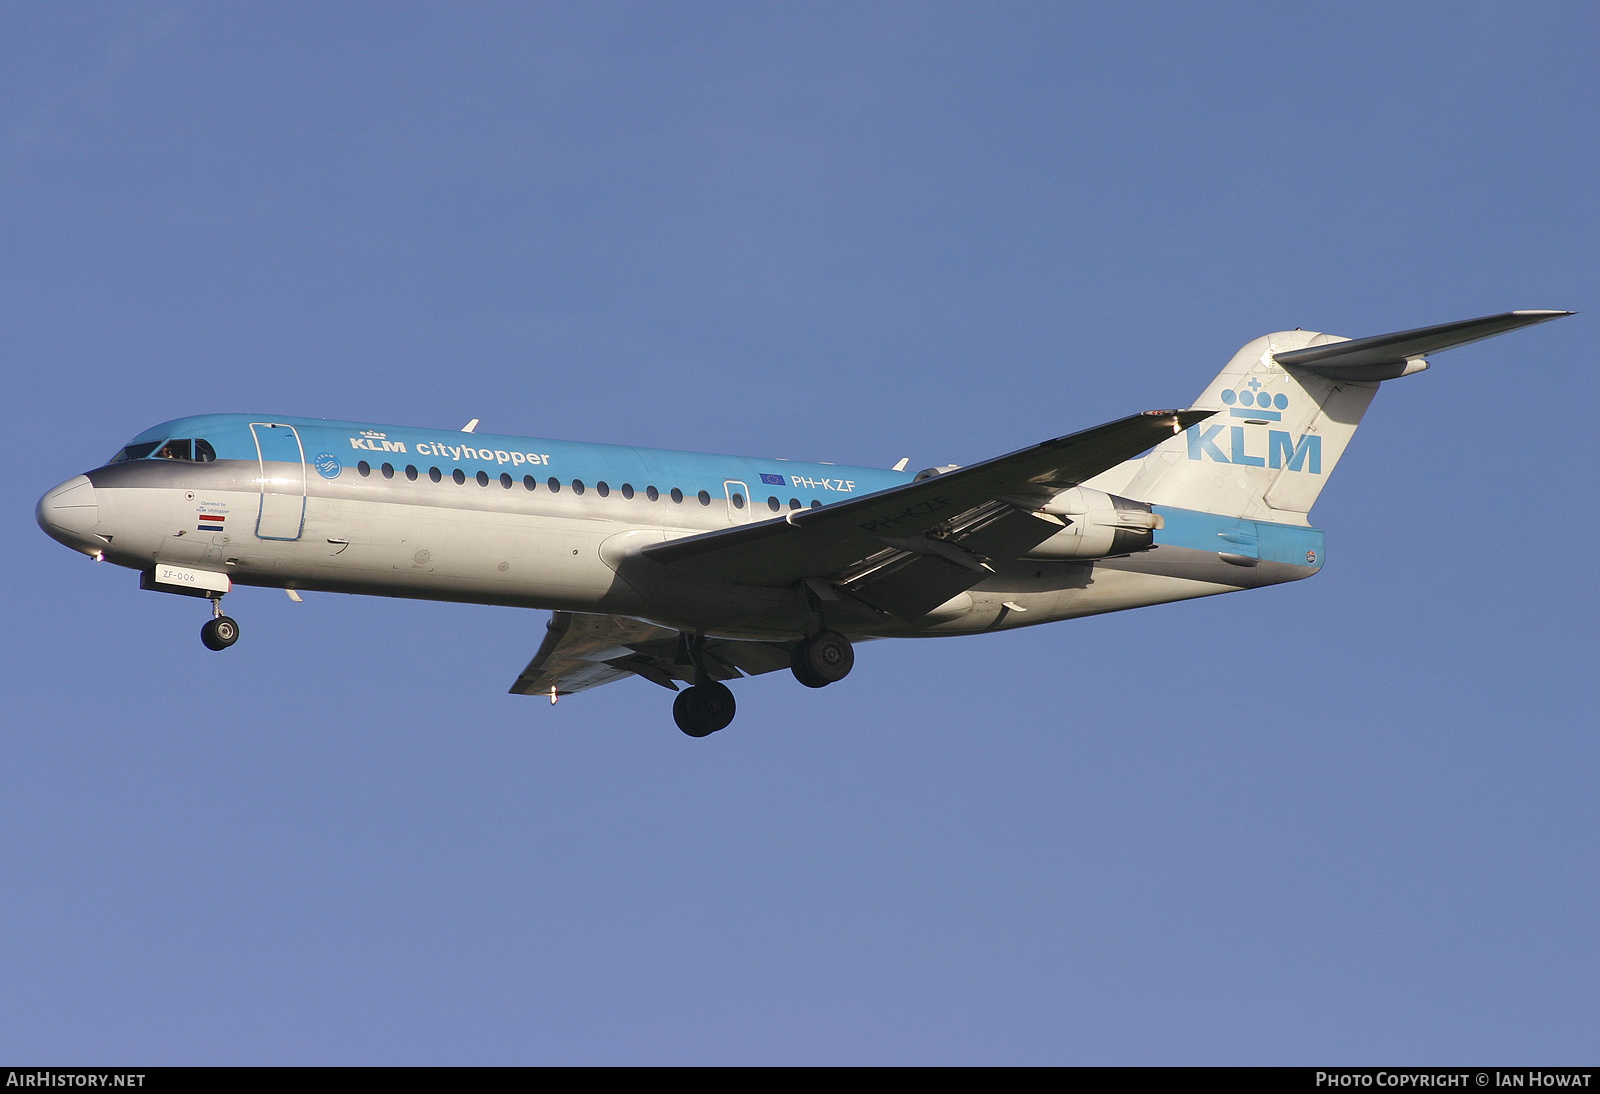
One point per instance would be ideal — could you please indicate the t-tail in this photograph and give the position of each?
(1286, 406)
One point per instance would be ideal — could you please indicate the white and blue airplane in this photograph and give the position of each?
(685, 567)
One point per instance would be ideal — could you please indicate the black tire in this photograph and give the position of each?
(703, 709)
(220, 633)
(823, 659)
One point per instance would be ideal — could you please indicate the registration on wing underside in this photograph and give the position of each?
(922, 537)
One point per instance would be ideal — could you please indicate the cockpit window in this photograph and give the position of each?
(192, 450)
(136, 452)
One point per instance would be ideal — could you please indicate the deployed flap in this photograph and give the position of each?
(1386, 356)
(819, 542)
(577, 651)
(585, 651)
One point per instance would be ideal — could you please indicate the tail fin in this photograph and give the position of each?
(1286, 407)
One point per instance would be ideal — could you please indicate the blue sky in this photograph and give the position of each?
(1346, 820)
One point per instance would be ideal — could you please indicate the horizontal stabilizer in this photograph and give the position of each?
(1386, 356)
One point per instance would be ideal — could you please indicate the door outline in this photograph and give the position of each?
(737, 514)
(278, 509)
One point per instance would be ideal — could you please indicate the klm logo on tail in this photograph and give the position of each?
(1257, 408)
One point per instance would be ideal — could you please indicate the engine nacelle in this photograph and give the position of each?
(1098, 525)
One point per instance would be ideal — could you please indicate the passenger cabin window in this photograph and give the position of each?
(677, 495)
(627, 490)
(577, 486)
(554, 484)
(365, 468)
(388, 470)
(602, 489)
(505, 480)
(483, 478)
(459, 476)
(652, 493)
(411, 472)
(529, 481)
(435, 474)
(773, 504)
(705, 497)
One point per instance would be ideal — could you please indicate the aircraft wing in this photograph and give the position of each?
(585, 651)
(909, 548)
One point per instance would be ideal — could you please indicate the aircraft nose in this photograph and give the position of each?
(69, 512)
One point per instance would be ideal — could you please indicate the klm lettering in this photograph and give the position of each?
(370, 445)
(1283, 450)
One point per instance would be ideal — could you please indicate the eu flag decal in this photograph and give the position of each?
(772, 480)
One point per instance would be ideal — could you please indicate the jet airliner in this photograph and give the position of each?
(693, 569)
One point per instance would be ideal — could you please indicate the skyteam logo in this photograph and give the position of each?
(327, 464)
(1256, 407)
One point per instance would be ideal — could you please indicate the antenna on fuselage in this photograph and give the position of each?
(470, 426)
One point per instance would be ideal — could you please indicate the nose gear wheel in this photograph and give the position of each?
(219, 633)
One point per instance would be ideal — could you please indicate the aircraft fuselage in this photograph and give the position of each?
(308, 504)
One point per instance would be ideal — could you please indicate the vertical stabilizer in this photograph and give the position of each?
(1277, 435)
(1286, 406)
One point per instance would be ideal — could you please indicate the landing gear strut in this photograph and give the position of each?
(221, 632)
(707, 705)
(822, 659)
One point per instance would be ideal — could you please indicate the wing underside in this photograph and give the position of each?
(585, 651)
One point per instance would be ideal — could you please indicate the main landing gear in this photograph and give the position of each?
(221, 632)
(703, 709)
(822, 659)
(708, 705)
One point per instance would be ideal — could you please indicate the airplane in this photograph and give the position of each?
(687, 568)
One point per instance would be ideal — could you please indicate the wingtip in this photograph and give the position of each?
(1543, 313)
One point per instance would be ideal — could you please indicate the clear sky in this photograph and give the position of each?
(1347, 820)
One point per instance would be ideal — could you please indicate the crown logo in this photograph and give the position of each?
(1255, 406)
(373, 434)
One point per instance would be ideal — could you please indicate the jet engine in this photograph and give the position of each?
(1097, 525)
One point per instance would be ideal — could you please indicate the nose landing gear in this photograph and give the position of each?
(221, 631)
